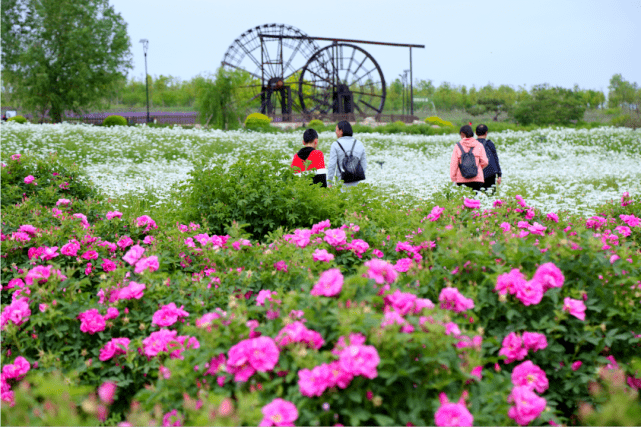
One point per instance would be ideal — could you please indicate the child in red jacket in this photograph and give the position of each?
(309, 153)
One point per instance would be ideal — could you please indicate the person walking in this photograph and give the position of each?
(309, 153)
(492, 172)
(346, 147)
(468, 157)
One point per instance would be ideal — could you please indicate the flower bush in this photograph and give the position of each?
(380, 314)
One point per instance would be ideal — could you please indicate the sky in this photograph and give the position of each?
(471, 43)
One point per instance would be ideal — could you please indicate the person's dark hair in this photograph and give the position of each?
(481, 130)
(310, 135)
(345, 127)
(467, 131)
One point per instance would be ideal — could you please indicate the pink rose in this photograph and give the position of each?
(381, 271)
(527, 405)
(329, 284)
(29, 179)
(133, 255)
(91, 321)
(529, 375)
(279, 413)
(575, 307)
(322, 255)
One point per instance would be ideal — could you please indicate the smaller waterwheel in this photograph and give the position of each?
(342, 79)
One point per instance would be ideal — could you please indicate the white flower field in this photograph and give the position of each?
(556, 169)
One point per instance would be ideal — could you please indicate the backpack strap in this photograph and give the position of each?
(461, 148)
(338, 166)
(351, 153)
(339, 144)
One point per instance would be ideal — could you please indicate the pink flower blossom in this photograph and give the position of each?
(49, 253)
(148, 240)
(506, 226)
(452, 299)
(435, 214)
(403, 265)
(63, 202)
(279, 413)
(513, 348)
(112, 313)
(280, 266)
(358, 246)
(108, 265)
(335, 237)
(549, 275)
(329, 284)
(29, 179)
(149, 263)
(360, 360)
(106, 392)
(320, 227)
(172, 419)
(534, 341)
(623, 230)
(402, 302)
(471, 203)
(168, 315)
(314, 382)
(452, 414)
(630, 220)
(90, 254)
(124, 242)
(141, 221)
(91, 321)
(381, 271)
(576, 365)
(529, 375)
(251, 355)
(113, 214)
(527, 405)
(133, 255)
(553, 217)
(509, 282)
(575, 307)
(322, 255)
(17, 370)
(537, 228)
(530, 292)
(71, 248)
(132, 291)
(264, 295)
(17, 312)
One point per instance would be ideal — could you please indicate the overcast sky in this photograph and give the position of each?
(514, 42)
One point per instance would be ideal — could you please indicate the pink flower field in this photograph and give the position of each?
(437, 314)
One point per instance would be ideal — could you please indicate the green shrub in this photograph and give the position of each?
(257, 121)
(550, 106)
(438, 121)
(265, 197)
(18, 119)
(114, 121)
(316, 124)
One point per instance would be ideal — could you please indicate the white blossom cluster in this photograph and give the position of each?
(555, 169)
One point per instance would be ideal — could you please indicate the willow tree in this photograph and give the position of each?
(63, 55)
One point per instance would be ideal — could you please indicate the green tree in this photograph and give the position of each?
(63, 54)
(223, 101)
(549, 106)
(622, 92)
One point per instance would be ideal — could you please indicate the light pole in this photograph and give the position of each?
(403, 93)
(405, 81)
(145, 46)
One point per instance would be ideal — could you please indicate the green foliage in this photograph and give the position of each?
(622, 92)
(114, 121)
(434, 120)
(549, 106)
(222, 102)
(316, 124)
(263, 195)
(18, 119)
(63, 54)
(257, 121)
(50, 399)
(54, 178)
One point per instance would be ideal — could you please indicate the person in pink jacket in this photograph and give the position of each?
(468, 142)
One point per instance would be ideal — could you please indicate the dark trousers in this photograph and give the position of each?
(489, 181)
(476, 186)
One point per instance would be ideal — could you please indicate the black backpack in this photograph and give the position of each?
(352, 170)
(489, 170)
(468, 163)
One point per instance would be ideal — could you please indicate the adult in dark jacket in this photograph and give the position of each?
(492, 172)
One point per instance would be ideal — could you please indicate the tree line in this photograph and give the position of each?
(61, 56)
